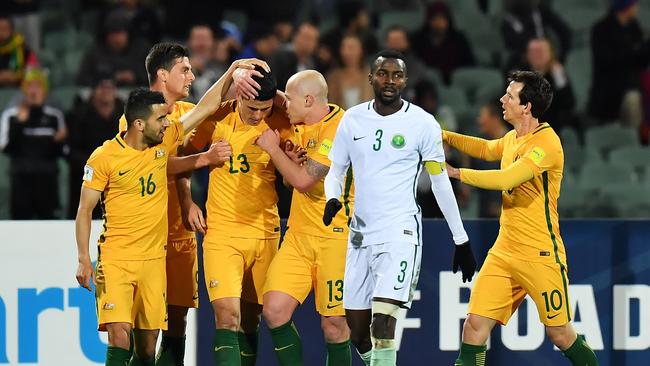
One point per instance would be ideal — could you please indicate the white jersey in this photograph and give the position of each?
(387, 154)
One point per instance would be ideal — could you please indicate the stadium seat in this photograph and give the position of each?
(470, 79)
(569, 138)
(72, 60)
(63, 187)
(581, 20)
(52, 20)
(629, 200)
(6, 96)
(606, 138)
(595, 176)
(578, 67)
(454, 97)
(410, 20)
(4, 187)
(571, 201)
(60, 42)
(64, 97)
(636, 156)
(575, 157)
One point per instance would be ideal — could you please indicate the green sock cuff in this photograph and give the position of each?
(225, 336)
(343, 344)
(470, 348)
(384, 356)
(284, 327)
(117, 353)
(365, 357)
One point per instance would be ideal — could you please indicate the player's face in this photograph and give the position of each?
(252, 112)
(388, 80)
(512, 109)
(155, 125)
(180, 79)
(296, 108)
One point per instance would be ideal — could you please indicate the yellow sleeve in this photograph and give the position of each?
(326, 136)
(542, 155)
(96, 171)
(489, 150)
(500, 180)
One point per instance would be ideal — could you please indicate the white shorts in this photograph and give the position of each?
(388, 270)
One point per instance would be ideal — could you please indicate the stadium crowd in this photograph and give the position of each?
(67, 65)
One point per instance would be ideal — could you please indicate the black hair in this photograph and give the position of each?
(163, 56)
(537, 90)
(138, 105)
(268, 86)
(386, 54)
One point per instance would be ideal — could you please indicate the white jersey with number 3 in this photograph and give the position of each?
(386, 153)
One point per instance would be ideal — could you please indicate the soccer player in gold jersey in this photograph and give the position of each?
(129, 175)
(528, 257)
(169, 72)
(243, 225)
(312, 255)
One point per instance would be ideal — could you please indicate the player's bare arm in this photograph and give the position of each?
(301, 177)
(87, 202)
(213, 97)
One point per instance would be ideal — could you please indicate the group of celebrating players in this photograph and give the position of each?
(354, 232)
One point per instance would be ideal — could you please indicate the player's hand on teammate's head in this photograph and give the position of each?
(244, 85)
(193, 219)
(219, 153)
(85, 274)
(464, 259)
(295, 152)
(269, 140)
(332, 207)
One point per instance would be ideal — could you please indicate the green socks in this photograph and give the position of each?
(226, 348)
(171, 352)
(135, 361)
(116, 356)
(365, 357)
(287, 344)
(471, 355)
(581, 354)
(383, 357)
(338, 354)
(248, 347)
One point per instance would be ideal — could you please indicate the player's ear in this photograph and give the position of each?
(309, 100)
(162, 75)
(139, 124)
(370, 78)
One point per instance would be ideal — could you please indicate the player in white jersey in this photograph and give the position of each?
(388, 140)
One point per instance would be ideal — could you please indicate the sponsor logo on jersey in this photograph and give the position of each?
(398, 141)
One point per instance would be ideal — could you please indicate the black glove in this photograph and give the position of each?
(464, 258)
(331, 208)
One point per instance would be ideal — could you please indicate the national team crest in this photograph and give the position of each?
(398, 141)
(311, 143)
(160, 153)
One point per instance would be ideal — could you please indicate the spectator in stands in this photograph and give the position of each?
(541, 58)
(353, 20)
(620, 54)
(203, 57)
(492, 127)
(527, 19)
(15, 56)
(31, 134)
(26, 20)
(118, 55)
(439, 44)
(283, 29)
(143, 21)
(263, 43)
(301, 55)
(89, 125)
(397, 39)
(426, 97)
(348, 84)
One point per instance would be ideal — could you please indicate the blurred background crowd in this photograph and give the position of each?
(66, 66)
